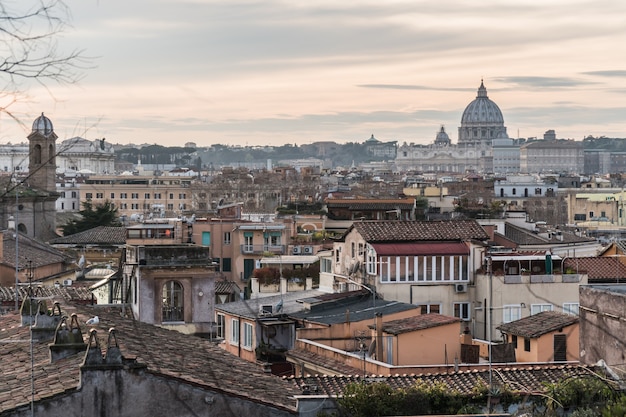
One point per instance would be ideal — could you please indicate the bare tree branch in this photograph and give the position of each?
(29, 50)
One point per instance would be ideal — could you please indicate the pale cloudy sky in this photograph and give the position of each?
(255, 72)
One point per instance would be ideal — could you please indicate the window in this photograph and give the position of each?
(171, 196)
(63, 194)
(337, 255)
(99, 195)
(527, 344)
(172, 301)
(88, 196)
(123, 196)
(134, 206)
(206, 238)
(514, 341)
(538, 308)
(146, 195)
(511, 313)
(112, 195)
(247, 335)
(227, 238)
(157, 196)
(134, 196)
(430, 308)
(371, 261)
(221, 326)
(353, 249)
(182, 196)
(234, 331)
(571, 308)
(73, 194)
(226, 265)
(462, 311)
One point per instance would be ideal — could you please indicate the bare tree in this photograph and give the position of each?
(29, 34)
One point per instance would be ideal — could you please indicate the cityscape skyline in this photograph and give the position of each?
(258, 73)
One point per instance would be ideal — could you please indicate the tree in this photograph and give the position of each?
(100, 215)
(29, 31)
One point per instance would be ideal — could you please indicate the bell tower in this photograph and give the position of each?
(42, 155)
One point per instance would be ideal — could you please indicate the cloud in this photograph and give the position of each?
(543, 82)
(608, 73)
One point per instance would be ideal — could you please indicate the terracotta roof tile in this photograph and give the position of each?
(538, 324)
(98, 235)
(518, 379)
(597, 268)
(396, 231)
(420, 322)
(39, 253)
(165, 352)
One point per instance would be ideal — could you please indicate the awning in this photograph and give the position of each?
(422, 248)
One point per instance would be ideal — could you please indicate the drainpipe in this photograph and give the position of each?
(379, 337)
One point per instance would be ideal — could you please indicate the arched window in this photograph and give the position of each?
(172, 302)
(37, 154)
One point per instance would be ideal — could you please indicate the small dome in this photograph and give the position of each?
(442, 138)
(42, 125)
(482, 110)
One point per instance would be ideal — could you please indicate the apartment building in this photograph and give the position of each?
(150, 196)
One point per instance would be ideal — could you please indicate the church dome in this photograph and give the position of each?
(42, 125)
(482, 120)
(442, 138)
(482, 109)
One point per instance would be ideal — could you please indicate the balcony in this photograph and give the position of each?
(261, 249)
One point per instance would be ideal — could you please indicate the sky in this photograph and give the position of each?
(271, 72)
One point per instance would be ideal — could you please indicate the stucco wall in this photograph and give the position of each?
(602, 326)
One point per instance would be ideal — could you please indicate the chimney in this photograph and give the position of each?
(94, 357)
(30, 305)
(68, 340)
(46, 322)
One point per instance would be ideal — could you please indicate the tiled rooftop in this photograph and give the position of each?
(166, 353)
(39, 253)
(528, 379)
(395, 231)
(68, 293)
(101, 235)
(598, 268)
(539, 324)
(420, 322)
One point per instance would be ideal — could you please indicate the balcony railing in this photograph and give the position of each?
(261, 249)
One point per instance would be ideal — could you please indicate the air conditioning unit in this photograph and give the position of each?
(458, 288)
(343, 287)
(67, 282)
(265, 309)
(297, 250)
(307, 250)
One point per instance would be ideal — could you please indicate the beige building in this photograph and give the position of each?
(430, 264)
(548, 336)
(147, 196)
(559, 156)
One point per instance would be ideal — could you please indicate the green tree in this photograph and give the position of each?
(104, 214)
